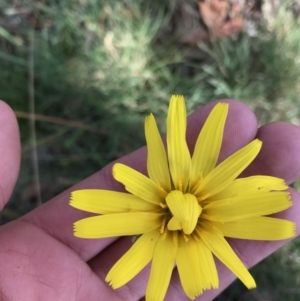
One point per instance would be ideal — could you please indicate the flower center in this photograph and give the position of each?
(185, 211)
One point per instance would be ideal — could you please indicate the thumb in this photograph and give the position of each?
(9, 152)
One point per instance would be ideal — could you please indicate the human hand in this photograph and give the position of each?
(42, 260)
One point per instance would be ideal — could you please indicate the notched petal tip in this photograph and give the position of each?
(284, 185)
(75, 198)
(294, 229)
(150, 117)
(222, 104)
(75, 232)
(252, 286)
(177, 97)
(111, 283)
(71, 201)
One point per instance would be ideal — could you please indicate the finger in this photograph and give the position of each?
(10, 151)
(280, 152)
(57, 217)
(34, 266)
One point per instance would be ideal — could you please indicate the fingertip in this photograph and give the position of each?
(280, 153)
(10, 150)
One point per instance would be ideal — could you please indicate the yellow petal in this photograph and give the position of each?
(134, 260)
(258, 228)
(259, 183)
(208, 145)
(138, 184)
(157, 163)
(194, 210)
(185, 209)
(175, 201)
(187, 261)
(106, 201)
(174, 224)
(118, 224)
(207, 266)
(247, 205)
(162, 266)
(251, 184)
(227, 171)
(178, 152)
(221, 249)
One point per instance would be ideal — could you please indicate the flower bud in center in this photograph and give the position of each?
(185, 210)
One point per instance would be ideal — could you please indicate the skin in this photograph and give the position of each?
(40, 259)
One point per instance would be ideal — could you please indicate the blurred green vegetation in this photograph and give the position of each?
(101, 66)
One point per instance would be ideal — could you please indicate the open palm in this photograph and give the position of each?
(41, 260)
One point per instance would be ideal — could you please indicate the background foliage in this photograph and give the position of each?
(94, 69)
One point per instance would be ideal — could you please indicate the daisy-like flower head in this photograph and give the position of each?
(186, 206)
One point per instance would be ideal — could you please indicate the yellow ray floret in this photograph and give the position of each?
(134, 260)
(110, 225)
(227, 171)
(215, 241)
(106, 201)
(207, 150)
(162, 266)
(190, 274)
(206, 265)
(157, 163)
(138, 184)
(247, 205)
(178, 152)
(249, 185)
(257, 228)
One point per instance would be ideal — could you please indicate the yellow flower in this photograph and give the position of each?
(185, 208)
